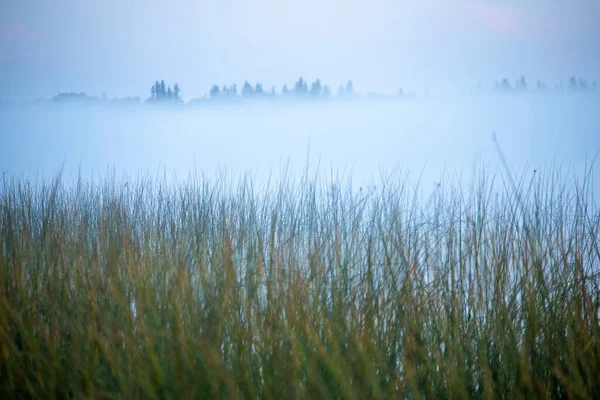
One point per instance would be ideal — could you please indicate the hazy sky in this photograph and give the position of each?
(122, 46)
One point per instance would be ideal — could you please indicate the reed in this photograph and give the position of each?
(214, 288)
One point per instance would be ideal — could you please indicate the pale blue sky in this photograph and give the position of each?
(122, 46)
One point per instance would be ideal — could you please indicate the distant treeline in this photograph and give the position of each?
(163, 93)
(160, 93)
(299, 90)
(574, 84)
(82, 97)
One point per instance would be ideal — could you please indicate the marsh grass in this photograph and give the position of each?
(212, 288)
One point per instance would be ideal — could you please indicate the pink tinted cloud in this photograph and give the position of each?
(499, 19)
(495, 18)
(506, 20)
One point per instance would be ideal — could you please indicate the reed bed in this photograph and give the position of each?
(215, 288)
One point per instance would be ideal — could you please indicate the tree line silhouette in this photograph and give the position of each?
(299, 90)
(160, 93)
(574, 84)
(163, 93)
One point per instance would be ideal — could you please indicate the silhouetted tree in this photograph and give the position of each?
(230, 91)
(341, 92)
(176, 93)
(505, 84)
(215, 92)
(156, 91)
(273, 93)
(160, 93)
(573, 83)
(349, 88)
(583, 84)
(247, 90)
(326, 92)
(300, 88)
(163, 90)
(316, 89)
(522, 84)
(258, 90)
(285, 91)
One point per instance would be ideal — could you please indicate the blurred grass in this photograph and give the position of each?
(311, 289)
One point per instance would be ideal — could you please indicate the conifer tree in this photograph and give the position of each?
(247, 90)
(176, 93)
(316, 89)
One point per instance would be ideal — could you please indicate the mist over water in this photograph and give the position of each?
(426, 136)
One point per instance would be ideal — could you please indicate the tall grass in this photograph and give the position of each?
(309, 289)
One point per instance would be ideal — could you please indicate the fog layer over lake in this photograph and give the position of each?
(424, 135)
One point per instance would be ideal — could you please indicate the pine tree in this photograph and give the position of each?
(176, 93)
(573, 83)
(300, 88)
(349, 88)
(215, 92)
(247, 90)
(157, 94)
(316, 89)
(522, 83)
(163, 90)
